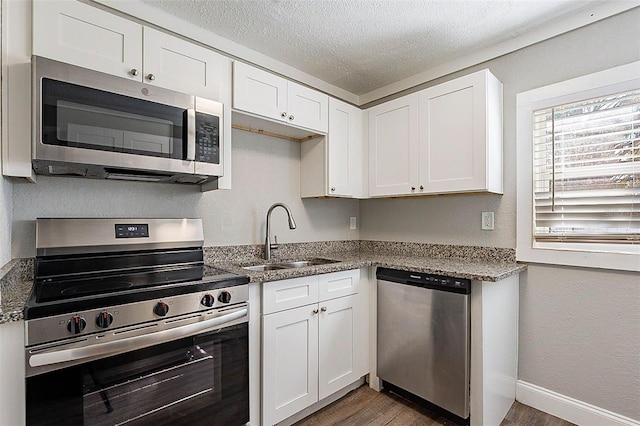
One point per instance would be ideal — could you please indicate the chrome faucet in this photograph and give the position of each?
(267, 243)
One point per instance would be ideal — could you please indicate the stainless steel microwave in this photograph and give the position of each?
(95, 125)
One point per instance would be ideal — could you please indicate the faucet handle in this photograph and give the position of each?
(274, 246)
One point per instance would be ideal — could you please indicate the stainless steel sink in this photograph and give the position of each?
(303, 263)
(262, 268)
(289, 265)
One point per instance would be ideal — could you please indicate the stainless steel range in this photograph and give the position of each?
(126, 325)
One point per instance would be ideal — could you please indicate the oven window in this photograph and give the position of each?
(82, 117)
(196, 381)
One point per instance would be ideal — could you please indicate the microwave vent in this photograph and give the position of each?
(56, 170)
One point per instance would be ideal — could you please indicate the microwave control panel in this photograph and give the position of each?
(207, 138)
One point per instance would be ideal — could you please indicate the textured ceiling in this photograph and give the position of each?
(362, 45)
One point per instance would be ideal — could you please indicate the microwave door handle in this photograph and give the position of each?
(191, 134)
(131, 343)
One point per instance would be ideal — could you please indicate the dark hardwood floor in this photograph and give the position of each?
(364, 406)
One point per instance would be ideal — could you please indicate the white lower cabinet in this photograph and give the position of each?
(311, 351)
(12, 374)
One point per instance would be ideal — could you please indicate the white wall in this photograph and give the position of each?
(580, 328)
(5, 220)
(265, 170)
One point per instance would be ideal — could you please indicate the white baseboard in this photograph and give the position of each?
(567, 408)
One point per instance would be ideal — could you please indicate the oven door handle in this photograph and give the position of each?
(132, 343)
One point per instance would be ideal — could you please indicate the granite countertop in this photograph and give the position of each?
(16, 282)
(462, 268)
(475, 263)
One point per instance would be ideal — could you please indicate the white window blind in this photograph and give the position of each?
(586, 171)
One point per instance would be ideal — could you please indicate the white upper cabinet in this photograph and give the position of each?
(259, 92)
(393, 147)
(79, 34)
(444, 139)
(460, 133)
(344, 149)
(332, 166)
(178, 65)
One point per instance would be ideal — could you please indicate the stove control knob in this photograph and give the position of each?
(104, 319)
(161, 309)
(208, 300)
(76, 324)
(224, 297)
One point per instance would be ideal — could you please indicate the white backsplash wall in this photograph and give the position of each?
(265, 170)
(5, 220)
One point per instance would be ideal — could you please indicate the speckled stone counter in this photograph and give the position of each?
(476, 263)
(16, 281)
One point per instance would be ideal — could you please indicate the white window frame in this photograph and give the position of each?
(624, 257)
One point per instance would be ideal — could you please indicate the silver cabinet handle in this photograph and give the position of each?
(283, 114)
(134, 72)
(315, 311)
(333, 189)
(413, 188)
(151, 77)
(291, 118)
(137, 342)
(421, 187)
(323, 309)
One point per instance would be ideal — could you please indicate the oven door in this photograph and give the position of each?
(196, 380)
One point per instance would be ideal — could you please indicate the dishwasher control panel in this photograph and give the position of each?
(437, 282)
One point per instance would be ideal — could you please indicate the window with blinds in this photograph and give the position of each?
(586, 171)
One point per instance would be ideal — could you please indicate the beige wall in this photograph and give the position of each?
(580, 328)
(5, 220)
(265, 170)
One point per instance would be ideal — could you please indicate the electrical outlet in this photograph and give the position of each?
(352, 222)
(488, 221)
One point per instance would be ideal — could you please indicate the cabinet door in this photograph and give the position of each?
(453, 135)
(286, 294)
(338, 284)
(344, 149)
(341, 344)
(307, 108)
(182, 66)
(289, 362)
(79, 34)
(12, 374)
(393, 147)
(259, 92)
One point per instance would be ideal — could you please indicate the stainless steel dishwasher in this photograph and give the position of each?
(424, 338)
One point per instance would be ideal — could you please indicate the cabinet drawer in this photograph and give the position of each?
(287, 294)
(338, 284)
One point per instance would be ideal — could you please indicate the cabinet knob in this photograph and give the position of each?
(151, 77)
(315, 311)
(291, 118)
(421, 187)
(333, 189)
(413, 188)
(283, 114)
(134, 72)
(323, 309)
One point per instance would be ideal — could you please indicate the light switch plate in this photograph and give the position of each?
(352, 222)
(488, 221)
